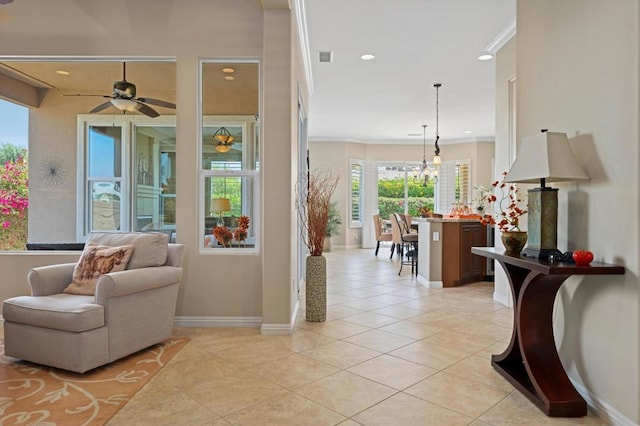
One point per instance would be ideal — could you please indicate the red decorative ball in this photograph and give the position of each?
(582, 257)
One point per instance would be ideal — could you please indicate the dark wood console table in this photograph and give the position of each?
(531, 362)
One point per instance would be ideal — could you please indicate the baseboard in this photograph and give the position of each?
(429, 284)
(281, 329)
(602, 408)
(217, 321)
(505, 299)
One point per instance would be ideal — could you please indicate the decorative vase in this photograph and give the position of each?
(316, 289)
(514, 241)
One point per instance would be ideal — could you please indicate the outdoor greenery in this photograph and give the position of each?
(334, 221)
(10, 152)
(14, 198)
(391, 196)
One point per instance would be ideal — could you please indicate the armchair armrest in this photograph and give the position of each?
(175, 255)
(134, 281)
(47, 280)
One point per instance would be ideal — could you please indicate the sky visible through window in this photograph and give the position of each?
(14, 124)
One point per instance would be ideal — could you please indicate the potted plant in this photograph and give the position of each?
(333, 226)
(314, 204)
(507, 215)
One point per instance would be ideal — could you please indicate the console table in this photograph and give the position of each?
(531, 362)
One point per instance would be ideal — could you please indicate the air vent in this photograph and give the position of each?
(325, 56)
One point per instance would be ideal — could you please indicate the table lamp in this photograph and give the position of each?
(220, 205)
(546, 157)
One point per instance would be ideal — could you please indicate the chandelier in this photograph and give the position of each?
(426, 171)
(223, 140)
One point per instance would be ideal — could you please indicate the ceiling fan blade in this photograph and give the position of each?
(146, 110)
(101, 107)
(79, 94)
(157, 102)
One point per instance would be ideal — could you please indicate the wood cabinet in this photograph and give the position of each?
(459, 265)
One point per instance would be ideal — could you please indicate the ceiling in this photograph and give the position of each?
(385, 100)
(416, 43)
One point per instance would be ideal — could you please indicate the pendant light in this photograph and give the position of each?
(436, 158)
(424, 169)
(223, 139)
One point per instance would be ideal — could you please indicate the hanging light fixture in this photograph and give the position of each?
(424, 169)
(436, 158)
(223, 139)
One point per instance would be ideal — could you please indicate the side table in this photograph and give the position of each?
(531, 362)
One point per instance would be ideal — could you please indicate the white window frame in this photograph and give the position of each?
(127, 124)
(250, 129)
(357, 223)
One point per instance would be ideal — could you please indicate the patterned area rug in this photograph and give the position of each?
(32, 394)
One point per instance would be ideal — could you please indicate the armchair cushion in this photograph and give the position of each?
(59, 312)
(149, 248)
(95, 261)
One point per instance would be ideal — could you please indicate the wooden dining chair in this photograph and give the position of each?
(380, 234)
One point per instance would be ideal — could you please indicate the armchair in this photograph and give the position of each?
(129, 310)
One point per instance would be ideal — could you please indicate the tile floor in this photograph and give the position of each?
(391, 352)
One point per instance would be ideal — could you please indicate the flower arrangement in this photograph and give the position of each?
(313, 204)
(424, 211)
(241, 232)
(223, 235)
(481, 194)
(508, 202)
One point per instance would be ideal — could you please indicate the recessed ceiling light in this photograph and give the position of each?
(228, 70)
(63, 72)
(485, 56)
(414, 134)
(468, 131)
(367, 56)
(229, 77)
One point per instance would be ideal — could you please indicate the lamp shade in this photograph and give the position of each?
(547, 156)
(222, 148)
(219, 205)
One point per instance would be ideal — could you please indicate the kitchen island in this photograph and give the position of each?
(444, 251)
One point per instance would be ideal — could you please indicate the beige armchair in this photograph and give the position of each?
(129, 310)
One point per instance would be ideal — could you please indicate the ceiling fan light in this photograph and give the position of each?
(125, 104)
(222, 148)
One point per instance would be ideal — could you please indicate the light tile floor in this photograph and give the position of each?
(391, 352)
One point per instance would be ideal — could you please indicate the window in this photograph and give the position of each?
(400, 190)
(453, 185)
(229, 152)
(112, 198)
(356, 205)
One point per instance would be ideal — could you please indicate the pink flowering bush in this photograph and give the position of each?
(14, 203)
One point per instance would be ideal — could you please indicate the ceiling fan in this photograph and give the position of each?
(124, 98)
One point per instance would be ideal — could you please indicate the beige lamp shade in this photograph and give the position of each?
(219, 205)
(547, 156)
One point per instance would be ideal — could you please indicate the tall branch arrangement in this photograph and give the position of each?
(313, 203)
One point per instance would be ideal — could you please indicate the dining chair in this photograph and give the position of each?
(408, 241)
(380, 234)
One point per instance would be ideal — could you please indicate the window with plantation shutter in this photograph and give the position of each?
(453, 185)
(356, 206)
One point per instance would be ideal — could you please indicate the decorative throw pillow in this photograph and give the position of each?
(97, 260)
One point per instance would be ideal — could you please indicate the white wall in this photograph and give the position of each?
(578, 72)
(505, 73)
